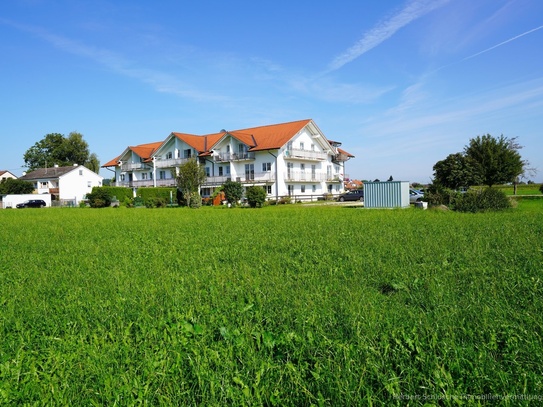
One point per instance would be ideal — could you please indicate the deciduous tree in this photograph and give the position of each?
(494, 160)
(15, 186)
(454, 172)
(191, 176)
(55, 148)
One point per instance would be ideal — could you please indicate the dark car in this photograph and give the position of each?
(32, 203)
(356, 195)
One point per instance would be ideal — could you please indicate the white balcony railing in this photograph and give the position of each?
(308, 176)
(135, 166)
(220, 157)
(311, 155)
(170, 163)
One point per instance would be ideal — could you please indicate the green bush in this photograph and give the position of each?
(256, 196)
(156, 202)
(284, 200)
(541, 188)
(99, 197)
(233, 192)
(150, 193)
(120, 192)
(437, 195)
(489, 199)
(195, 200)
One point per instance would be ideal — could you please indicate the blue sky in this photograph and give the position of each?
(401, 83)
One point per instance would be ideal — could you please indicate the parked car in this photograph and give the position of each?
(355, 195)
(415, 195)
(32, 203)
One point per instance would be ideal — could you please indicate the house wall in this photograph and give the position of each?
(77, 183)
(10, 201)
(7, 175)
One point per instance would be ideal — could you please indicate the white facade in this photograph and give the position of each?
(5, 175)
(78, 183)
(289, 159)
(11, 200)
(66, 183)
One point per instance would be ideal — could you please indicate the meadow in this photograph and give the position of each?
(281, 306)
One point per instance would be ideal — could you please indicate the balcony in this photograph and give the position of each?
(257, 177)
(134, 166)
(305, 176)
(339, 158)
(296, 154)
(170, 163)
(225, 157)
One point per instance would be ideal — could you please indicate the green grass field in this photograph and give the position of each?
(523, 189)
(287, 305)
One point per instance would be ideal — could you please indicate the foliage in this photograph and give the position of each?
(15, 186)
(93, 163)
(55, 148)
(158, 193)
(541, 188)
(437, 195)
(191, 176)
(454, 172)
(256, 196)
(99, 197)
(195, 201)
(156, 202)
(233, 191)
(489, 199)
(118, 192)
(115, 311)
(494, 160)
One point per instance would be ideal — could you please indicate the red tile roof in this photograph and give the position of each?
(269, 137)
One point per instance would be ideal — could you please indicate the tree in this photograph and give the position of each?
(494, 160)
(191, 176)
(233, 191)
(454, 172)
(93, 163)
(256, 196)
(55, 148)
(99, 197)
(15, 186)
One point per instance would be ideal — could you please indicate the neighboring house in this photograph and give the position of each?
(352, 184)
(6, 175)
(65, 183)
(292, 158)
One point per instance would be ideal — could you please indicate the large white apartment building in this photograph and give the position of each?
(292, 158)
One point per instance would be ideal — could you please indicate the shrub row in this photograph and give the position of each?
(488, 199)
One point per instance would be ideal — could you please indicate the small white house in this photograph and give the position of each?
(6, 174)
(64, 183)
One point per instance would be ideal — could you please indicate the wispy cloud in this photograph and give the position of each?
(413, 10)
(503, 42)
(159, 80)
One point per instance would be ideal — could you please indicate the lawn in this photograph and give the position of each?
(286, 305)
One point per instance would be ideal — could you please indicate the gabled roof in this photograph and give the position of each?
(2, 172)
(272, 136)
(48, 173)
(200, 143)
(145, 151)
(269, 137)
(342, 151)
(112, 163)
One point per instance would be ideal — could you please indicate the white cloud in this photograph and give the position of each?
(413, 10)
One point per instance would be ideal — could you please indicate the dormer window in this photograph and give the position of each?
(169, 155)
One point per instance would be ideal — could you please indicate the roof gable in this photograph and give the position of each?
(48, 173)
